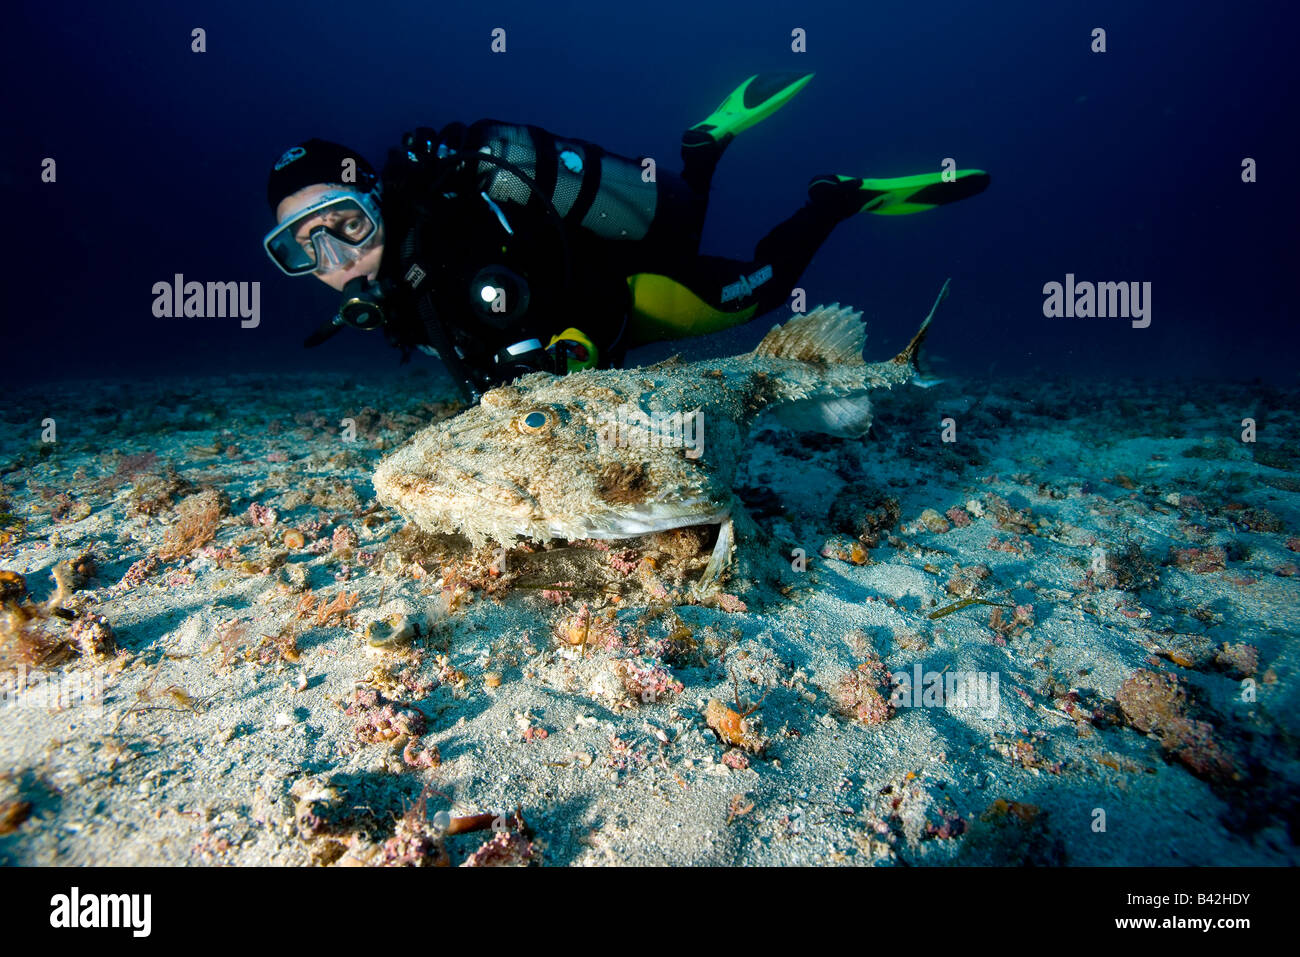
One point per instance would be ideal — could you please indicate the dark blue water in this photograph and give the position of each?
(1122, 166)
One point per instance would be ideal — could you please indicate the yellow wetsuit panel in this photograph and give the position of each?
(663, 308)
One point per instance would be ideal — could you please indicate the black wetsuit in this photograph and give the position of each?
(589, 222)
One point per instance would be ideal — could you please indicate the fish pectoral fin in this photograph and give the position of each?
(844, 416)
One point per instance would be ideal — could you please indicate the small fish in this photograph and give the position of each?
(620, 453)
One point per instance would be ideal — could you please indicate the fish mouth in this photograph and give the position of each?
(504, 510)
(605, 524)
(650, 518)
(466, 495)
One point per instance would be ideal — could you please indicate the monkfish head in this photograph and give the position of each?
(547, 457)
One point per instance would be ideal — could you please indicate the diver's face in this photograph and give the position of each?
(367, 265)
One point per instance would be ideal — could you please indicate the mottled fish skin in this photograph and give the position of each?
(492, 474)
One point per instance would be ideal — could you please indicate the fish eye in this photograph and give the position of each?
(536, 420)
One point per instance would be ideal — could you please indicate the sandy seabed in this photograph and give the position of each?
(1066, 637)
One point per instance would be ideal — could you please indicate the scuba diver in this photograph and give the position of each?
(505, 249)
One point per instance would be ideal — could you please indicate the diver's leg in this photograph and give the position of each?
(674, 233)
(790, 246)
(675, 296)
(678, 293)
(703, 294)
(735, 290)
(699, 163)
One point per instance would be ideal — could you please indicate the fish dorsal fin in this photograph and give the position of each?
(828, 334)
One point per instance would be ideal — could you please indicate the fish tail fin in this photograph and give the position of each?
(912, 353)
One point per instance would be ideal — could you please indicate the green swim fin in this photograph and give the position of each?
(756, 99)
(897, 196)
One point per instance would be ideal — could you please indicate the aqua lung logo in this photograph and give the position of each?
(747, 285)
(296, 152)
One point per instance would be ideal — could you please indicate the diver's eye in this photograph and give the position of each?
(536, 420)
(356, 227)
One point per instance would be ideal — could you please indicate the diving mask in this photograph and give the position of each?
(333, 231)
